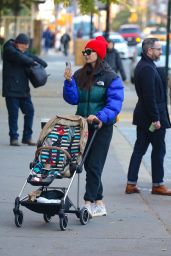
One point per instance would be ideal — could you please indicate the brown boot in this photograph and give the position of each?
(131, 189)
(161, 190)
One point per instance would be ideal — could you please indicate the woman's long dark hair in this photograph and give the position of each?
(86, 73)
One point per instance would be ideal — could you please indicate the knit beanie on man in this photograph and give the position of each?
(22, 39)
(99, 45)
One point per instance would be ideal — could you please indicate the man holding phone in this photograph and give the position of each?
(151, 118)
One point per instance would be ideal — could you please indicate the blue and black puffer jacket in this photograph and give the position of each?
(104, 98)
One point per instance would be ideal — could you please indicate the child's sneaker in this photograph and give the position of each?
(99, 210)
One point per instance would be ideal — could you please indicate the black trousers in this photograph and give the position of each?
(157, 140)
(95, 161)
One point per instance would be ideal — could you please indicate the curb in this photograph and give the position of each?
(123, 151)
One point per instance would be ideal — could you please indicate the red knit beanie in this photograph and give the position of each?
(99, 45)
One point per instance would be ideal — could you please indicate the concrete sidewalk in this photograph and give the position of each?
(135, 224)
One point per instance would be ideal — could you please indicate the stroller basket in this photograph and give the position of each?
(48, 208)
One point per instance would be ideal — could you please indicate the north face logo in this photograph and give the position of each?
(101, 83)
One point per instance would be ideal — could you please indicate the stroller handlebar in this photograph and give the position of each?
(96, 124)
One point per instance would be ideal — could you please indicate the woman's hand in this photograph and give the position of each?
(93, 118)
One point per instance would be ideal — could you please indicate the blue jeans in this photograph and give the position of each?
(157, 140)
(26, 106)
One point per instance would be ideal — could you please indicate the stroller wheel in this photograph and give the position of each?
(63, 222)
(46, 217)
(84, 216)
(19, 219)
(31, 165)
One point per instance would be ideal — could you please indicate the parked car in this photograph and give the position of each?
(159, 33)
(147, 30)
(159, 63)
(131, 33)
(120, 43)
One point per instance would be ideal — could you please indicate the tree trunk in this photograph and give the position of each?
(107, 19)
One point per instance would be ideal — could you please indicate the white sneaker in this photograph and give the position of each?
(99, 210)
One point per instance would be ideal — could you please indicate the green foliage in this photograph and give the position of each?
(15, 7)
(120, 18)
(86, 6)
(64, 2)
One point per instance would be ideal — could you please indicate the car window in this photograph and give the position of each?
(164, 50)
(156, 32)
(117, 40)
(139, 50)
(129, 30)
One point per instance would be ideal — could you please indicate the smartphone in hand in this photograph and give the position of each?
(152, 128)
(68, 71)
(68, 65)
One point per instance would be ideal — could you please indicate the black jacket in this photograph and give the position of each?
(151, 88)
(114, 60)
(14, 75)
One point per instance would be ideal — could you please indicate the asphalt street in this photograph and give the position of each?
(137, 224)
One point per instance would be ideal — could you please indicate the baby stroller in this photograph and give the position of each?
(60, 154)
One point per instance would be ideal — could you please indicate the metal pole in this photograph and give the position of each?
(168, 38)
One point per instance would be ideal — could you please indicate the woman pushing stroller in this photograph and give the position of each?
(98, 93)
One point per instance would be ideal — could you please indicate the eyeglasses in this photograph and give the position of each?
(158, 49)
(87, 52)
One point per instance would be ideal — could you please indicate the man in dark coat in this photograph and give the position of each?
(114, 60)
(16, 90)
(65, 39)
(48, 39)
(151, 118)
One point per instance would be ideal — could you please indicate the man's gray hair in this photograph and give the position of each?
(148, 43)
